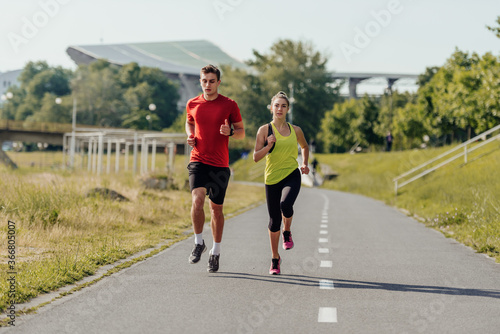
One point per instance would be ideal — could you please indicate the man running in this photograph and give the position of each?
(211, 119)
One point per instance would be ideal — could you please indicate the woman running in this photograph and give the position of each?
(277, 141)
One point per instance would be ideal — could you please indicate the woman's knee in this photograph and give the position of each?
(286, 209)
(274, 225)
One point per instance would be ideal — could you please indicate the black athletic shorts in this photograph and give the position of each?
(214, 179)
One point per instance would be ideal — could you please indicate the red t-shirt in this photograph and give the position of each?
(211, 147)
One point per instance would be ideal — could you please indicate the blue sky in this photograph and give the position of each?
(390, 36)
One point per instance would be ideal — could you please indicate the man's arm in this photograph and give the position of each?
(239, 130)
(190, 133)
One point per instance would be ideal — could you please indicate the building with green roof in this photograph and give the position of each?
(180, 61)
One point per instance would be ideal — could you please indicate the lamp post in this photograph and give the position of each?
(292, 100)
(7, 96)
(73, 134)
(152, 108)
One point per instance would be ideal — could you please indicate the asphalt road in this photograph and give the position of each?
(358, 266)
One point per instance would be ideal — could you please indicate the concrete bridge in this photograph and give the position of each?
(353, 79)
(54, 133)
(32, 132)
(93, 140)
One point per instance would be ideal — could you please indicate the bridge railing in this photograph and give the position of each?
(34, 126)
(461, 150)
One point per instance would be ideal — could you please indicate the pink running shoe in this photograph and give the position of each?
(275, 266)
(287, 240)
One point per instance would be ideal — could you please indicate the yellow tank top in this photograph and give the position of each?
(282, 161)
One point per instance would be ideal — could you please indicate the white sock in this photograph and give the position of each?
(215, 249)
(198, 239)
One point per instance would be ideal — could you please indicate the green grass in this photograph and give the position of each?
(62, 235)
(460, 200)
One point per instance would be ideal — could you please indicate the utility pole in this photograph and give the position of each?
(290, 113)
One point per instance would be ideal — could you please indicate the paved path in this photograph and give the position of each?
(358, 266)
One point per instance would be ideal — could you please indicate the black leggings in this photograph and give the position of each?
(280, 199)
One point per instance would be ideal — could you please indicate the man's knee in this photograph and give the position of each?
(198, 196)
(216, 209)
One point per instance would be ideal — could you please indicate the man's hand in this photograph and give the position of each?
(225, 129)
(191, 140)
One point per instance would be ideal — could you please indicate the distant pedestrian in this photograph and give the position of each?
(277, 141)
(211, 119)
(314, 165)
(388, 142)
(312, 145)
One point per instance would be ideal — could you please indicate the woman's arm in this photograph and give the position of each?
(260, 150)
(305, 149)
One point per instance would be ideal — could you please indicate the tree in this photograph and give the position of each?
(369, 122)
(425, 77)
(31, 70)
(52, 112)
(39, 80)
(388, 105)
(496, 30)
(488, 94)
(98, 94)
(10, 107)
(249, 91)
(129, 75)
(179, 125)
(409, 126)
(52, 80)
(144, 86)
(164, 95)
(460, 89)
(297, 66)
(459, 99)
(350, 123)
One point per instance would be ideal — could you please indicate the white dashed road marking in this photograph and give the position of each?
(325, 264)
(326, 284)
(327, 314)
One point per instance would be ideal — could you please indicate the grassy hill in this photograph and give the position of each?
(461, 200)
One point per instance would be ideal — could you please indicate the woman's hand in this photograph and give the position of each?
(271, 139)
(304, 169)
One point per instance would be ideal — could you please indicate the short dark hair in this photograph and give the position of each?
(211, 69)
